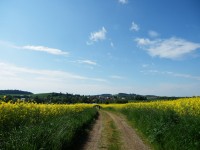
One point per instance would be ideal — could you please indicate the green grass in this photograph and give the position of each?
(115, 138)
(165, 128)
(110, 138)
(60, 132)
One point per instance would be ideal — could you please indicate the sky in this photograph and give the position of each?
(101, 46)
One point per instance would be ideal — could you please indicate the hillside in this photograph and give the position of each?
(7, 92)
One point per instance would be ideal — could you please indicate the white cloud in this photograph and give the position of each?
(153, 34)
(97, 36)
(134, 27)
(171, 48)
(143, 41)
(40, 80)
(123, 1)
(88, 62)
(49, 50)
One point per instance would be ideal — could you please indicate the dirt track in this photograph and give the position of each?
(129, 140)
(94, 135)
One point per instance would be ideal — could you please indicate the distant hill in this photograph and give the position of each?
(106, 95)
(7, 92)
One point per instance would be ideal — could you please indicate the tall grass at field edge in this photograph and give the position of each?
(167, 125)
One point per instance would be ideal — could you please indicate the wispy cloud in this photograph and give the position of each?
(123, 1)
(40, 80)
(7, 44)
(111, 44)
(171, 48)
(153, 34)
(10, 71)
(174, 74)
(88, 62)
(97, 36)
(53, 51)
(134, 27)
(148, 65)
(16, 71)
(183, 75)
(49, 50)
(145, 65)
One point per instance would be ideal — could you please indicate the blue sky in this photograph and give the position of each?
(101, 46)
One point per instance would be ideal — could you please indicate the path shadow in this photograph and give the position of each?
(82, 136)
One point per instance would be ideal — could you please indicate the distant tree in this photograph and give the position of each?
(37, 99)
(140, 98)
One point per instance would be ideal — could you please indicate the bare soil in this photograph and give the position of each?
(98, 136)
(130, 140)
(94, 136)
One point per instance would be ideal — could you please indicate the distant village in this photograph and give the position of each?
(67, 98)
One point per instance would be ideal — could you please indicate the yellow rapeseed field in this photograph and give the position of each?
(183, 106)
(31, 112)
(42, 126)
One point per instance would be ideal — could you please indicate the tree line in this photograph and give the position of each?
(67, 98)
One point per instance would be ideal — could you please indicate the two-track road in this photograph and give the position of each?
(100, 137)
